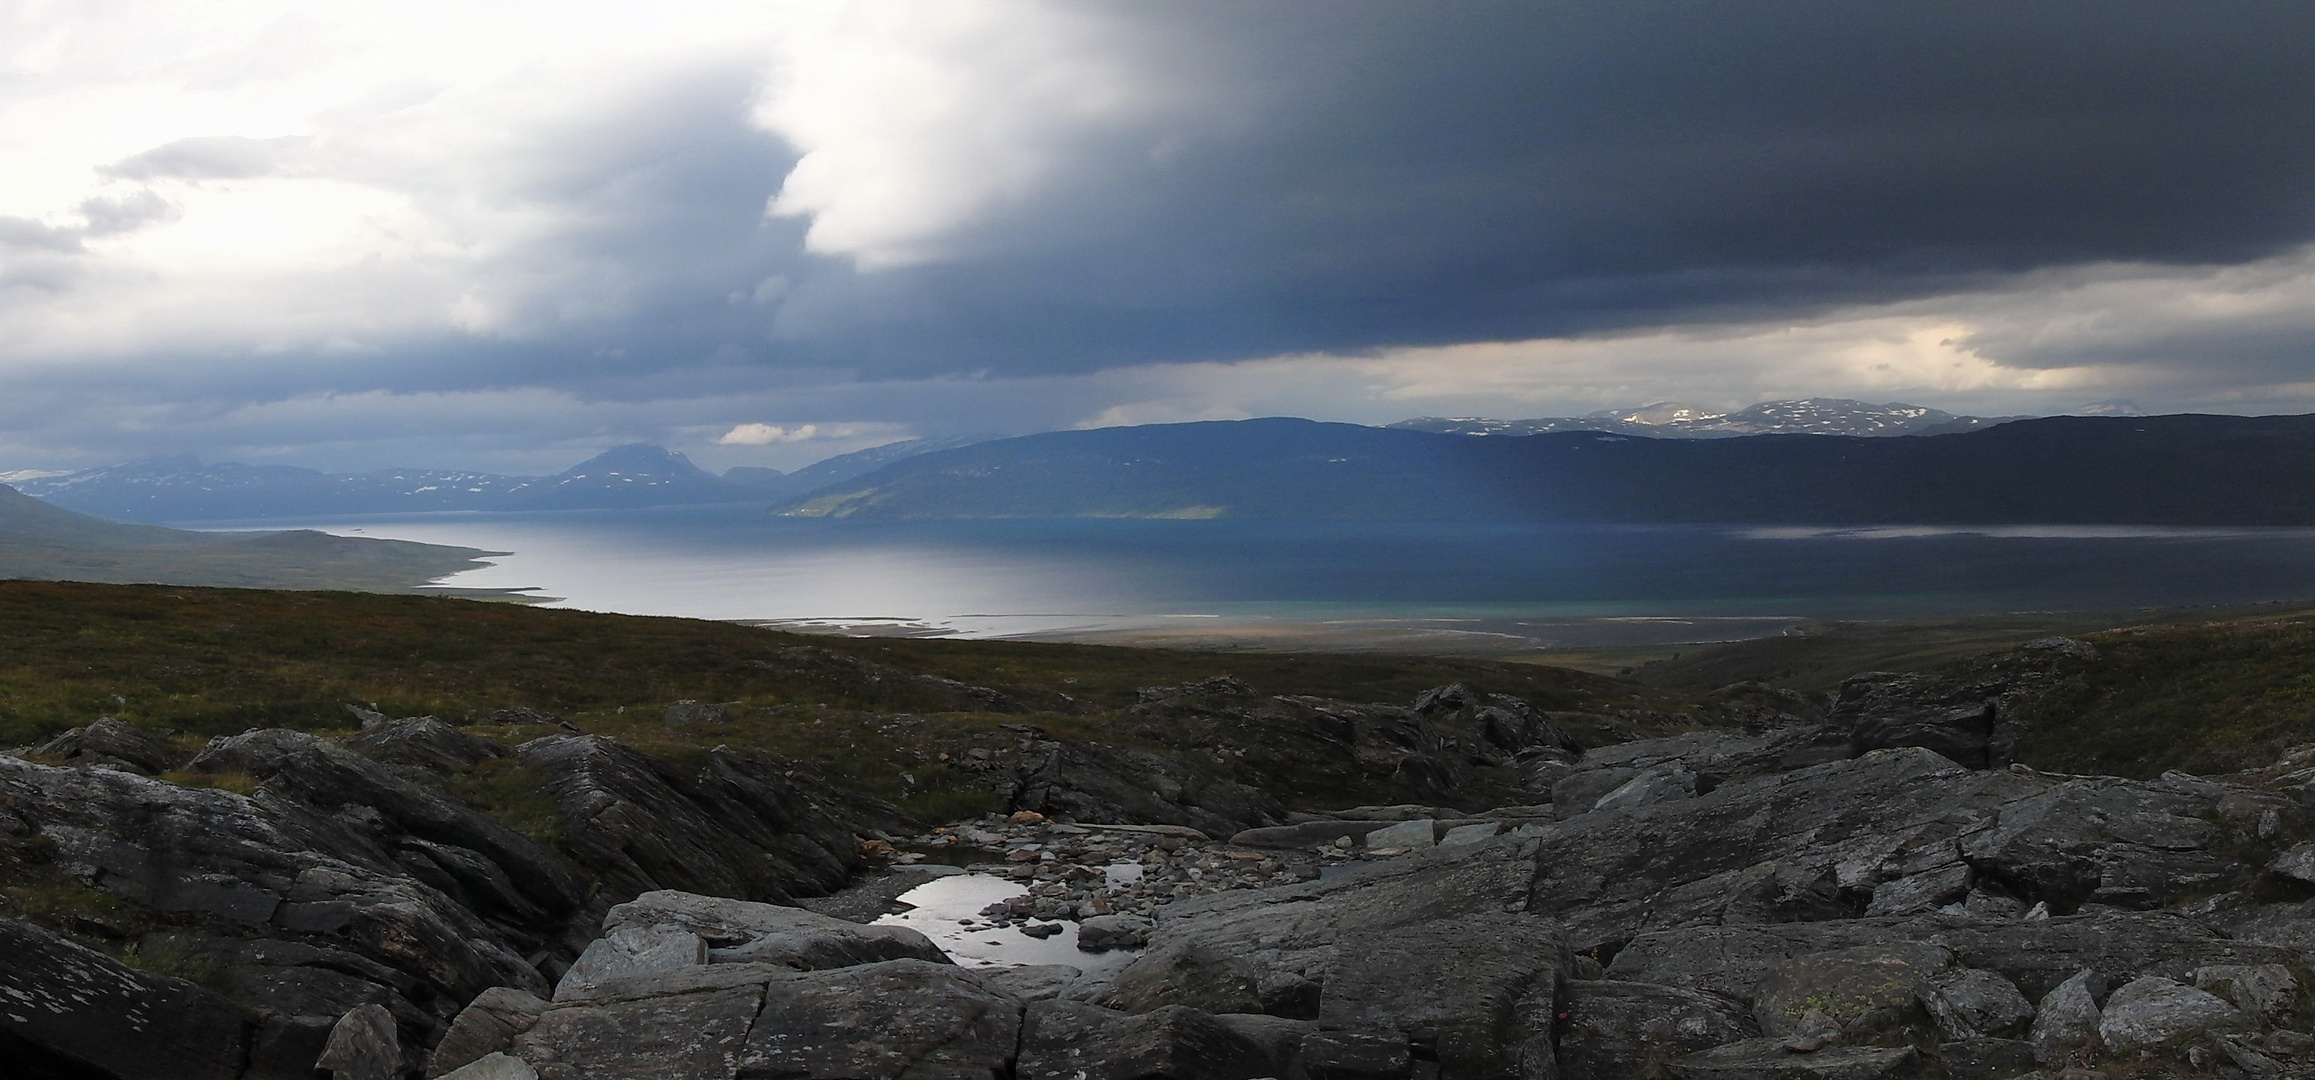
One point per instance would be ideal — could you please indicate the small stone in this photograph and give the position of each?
(1403, 836)
(493, 1067)
(2066, 1021)
(2297, 864)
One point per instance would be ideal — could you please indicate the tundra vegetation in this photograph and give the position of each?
(254, 833)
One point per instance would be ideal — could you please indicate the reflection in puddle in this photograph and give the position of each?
(948, 910)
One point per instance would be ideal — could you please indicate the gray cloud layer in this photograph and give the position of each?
(1052, 193)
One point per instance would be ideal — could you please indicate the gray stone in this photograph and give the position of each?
(1616, 1029)
(1304, 835)
(1577, 792)
(684, 980)
(2154, 1013)
(493, 1067)
(1356, 1055)
(487, 1025)
(425, 742)
(739, 823)
(2034, 955)
(1469, 834)
(1432, 945)
(1925, 891)
(882, 1022)
(1988, 905)
(1478, 990)
(114, 743)
(2298, 863)
(689, 713)
(1063, 1040)
(2066, 1024)
(1884, 709)
(1661, 784)
(1418, 833)
(742, 931)
(1767, 1059)
(1103, 932)
(695, 1036)
(632, 950)
(1971, 1004)
(2266, 991)
(1279, 1037)
(363, 1046)
(1845, 985)
(1030, 982)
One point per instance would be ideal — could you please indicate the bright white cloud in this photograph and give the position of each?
(914, 119)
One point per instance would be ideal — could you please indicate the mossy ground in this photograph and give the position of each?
(2210, 698)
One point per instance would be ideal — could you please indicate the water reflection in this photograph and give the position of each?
(948, 910)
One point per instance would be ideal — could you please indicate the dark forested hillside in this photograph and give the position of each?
(2168, 470)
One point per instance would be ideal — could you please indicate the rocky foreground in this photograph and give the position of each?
(1860, 888)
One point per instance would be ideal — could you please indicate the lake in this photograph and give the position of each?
(1454, 587)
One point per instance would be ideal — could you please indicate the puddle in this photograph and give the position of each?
(940, 905)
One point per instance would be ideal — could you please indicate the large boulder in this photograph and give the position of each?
(1804, 845)
(425, 742)
(1619, 1029)
(2066, 1023)
(900, 1018)
(1063, 1040)
(1431, 949)
(487, 867)
(735, 824)
(1770, 1059)
(693, 1036)
(1872, 985)
(2154, 1013)
(1883, 709)
(2033, 955)
(488, 1025)
(115, 744)
(1974, 1004)
(82, 1010)
(1891, 832)
(275, 865)
(1122, 786)
(741, 931)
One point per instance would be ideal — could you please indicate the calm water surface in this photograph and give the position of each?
(1473, 586)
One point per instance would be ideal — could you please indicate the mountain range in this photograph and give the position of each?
(633, 476)
(2172, 470)
(1675, 420)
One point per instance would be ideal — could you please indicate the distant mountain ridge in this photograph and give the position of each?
(2167, 470)
(632, 476)
(39, 541)
(1675, 420)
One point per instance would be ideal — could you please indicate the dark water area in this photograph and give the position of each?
(1474, 586)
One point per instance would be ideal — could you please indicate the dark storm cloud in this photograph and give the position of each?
(1391, 174)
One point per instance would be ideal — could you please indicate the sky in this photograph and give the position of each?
(504, 236)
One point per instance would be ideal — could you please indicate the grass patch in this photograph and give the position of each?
(64, 904)
(178, 957)
(511, 793)
(222, 661)
(2211, 698)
